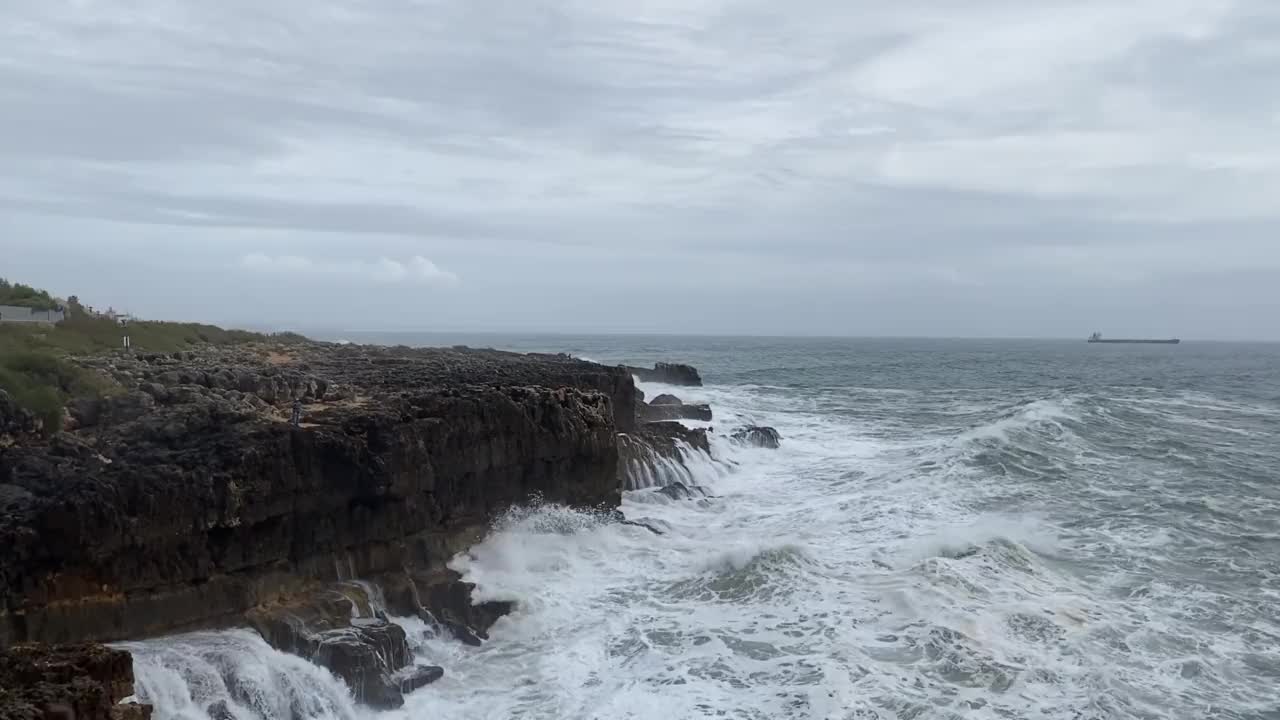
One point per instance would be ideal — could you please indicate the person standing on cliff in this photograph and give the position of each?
(297, 412)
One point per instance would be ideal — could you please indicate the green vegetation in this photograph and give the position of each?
(25, 296)
(33, 357)
(43, 383)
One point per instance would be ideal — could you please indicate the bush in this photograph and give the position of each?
(289, 338)
(25, 296)
(42, 384)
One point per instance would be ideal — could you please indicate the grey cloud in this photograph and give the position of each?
(721, 165)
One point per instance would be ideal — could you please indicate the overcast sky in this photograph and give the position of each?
(918, 167)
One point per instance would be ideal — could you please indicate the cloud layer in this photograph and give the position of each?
(827, 166)
(416, 269)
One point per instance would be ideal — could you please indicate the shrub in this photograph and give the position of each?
(43, 383)
(25, 296)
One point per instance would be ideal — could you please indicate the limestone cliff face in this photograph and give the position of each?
(189, 499)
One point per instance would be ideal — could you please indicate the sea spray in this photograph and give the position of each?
(234, 673)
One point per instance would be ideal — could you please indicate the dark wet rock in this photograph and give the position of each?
(366, 655)
(418, 676)
(655, 453)
(79, 682)
(448, 604)
(961, 553)
(674, 411)
(666, 434)
(654, 525)
(366, 652)
(666, 400)
(758, 436)
(669, 374)
(680, 491)
(220, 711)
(645, 525)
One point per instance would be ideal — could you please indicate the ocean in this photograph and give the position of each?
(951, 529)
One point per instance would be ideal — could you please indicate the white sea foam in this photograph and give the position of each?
(1030, 415)
(187, 676)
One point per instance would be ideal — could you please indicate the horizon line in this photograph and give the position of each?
(734, 335)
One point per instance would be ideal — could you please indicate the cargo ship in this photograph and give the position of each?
(1097, 338)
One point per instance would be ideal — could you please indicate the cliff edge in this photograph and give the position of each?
(187, 498)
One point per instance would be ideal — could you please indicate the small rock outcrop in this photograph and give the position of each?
(417, 676)
(658, 412)
(760, 436)
(680, 491)
(654, 455)
(343, 628)
(669, 374)
(76, 682)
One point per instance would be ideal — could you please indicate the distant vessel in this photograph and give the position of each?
(1097, 338)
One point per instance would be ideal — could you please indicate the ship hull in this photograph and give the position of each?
(1174, 341)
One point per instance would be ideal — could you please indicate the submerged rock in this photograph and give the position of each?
(645, 525)
(680, 491)
(418, 676)
(220, 711)
(757, 436)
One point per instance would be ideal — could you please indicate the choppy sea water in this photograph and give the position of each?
(952, 529)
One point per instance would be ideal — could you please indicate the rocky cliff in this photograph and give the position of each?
(188, 499)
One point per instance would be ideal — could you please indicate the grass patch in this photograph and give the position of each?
(43, 384)
(34, 368)
(83, 334)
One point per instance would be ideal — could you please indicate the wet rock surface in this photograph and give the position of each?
(80, 682)
(669, 374)
(655, 453)
(680, 491)
(757, 436)
(343, 627)
(418, 676)
(653, 412)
